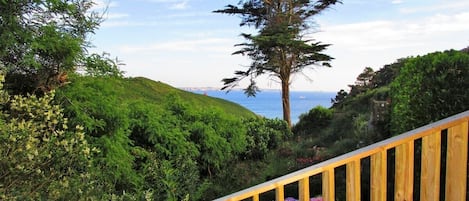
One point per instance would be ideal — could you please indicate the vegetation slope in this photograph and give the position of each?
(399, 97)
(147, 90)
(95, 135)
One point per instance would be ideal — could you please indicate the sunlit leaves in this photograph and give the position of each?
(39, 153)
(429, 88)
(41, 41)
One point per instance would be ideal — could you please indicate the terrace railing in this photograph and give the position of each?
(453, 130)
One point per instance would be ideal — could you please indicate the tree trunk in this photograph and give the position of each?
(286, 101)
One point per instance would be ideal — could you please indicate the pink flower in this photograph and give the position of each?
(316, 199)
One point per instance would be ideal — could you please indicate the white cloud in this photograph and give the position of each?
(385, 34)
(174, 4)
(397, 1)
(163, 1)
(179, 6)
(150, 23)
(376, 43)
(196, 45)
(121, 23)
(113, 16)
(103, 5)
(443, 6)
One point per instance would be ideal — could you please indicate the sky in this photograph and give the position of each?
(184, 44)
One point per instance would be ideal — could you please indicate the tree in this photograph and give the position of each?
(339, 98)
(385, 75)
(429, 88)
(102, 66)
(363, 82)
(41, 41)
(280, 48)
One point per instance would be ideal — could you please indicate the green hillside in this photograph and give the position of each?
(155, 92)
(153, 138)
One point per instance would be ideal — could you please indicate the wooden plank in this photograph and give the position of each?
(303, 189)
(328, 185)
(351, 156)
(430, 172)
(456, 162)
(378, 176)
(255, 197)
(353, 181)
(279, 193)
(404, 174)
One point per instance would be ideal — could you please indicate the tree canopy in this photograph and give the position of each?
(429, 88)
(281, 47)
(43, 40)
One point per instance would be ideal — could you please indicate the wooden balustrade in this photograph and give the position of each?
(456, 132)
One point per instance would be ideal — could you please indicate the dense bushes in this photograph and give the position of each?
(41, 157)
(151, 148)
(264, 135)
(399, 97)
(317, 118)
(168, 149)
(429, 88)
(155, 142)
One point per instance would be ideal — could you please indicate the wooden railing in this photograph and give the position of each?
(454, 128)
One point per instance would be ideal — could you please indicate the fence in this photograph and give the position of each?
(455, 130)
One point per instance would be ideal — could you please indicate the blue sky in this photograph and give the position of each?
(184, 44)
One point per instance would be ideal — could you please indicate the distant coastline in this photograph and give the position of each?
(268, 103)
(198, 89)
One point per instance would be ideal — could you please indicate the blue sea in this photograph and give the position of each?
(268, 103)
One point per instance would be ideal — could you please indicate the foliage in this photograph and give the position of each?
(316, 119)
(105, 118)
(102, 65)
(279, 49)
(384, 76)
(264, 135)
(41, 156)
(429, 88)
(43, 40)
(355, 120)
(363, 82)
(341, 96)
(406, 94)
(155, 142)
(150, 91)
(218, 137)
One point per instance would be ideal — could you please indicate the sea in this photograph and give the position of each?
(268, 103)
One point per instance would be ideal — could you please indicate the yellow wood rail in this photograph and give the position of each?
(455, 178)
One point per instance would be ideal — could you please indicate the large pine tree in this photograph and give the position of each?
(280, 48)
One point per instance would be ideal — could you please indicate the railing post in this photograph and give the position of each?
(303, 189)
(255, 197)
(378, 176)
(328, 186)
(279, 193)
(456, 162)
(430, 172)
(404, 175)
(353, 181)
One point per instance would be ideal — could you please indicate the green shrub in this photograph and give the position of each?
(264, 135)
(429, 88)
(312, 122)
(41, 157)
